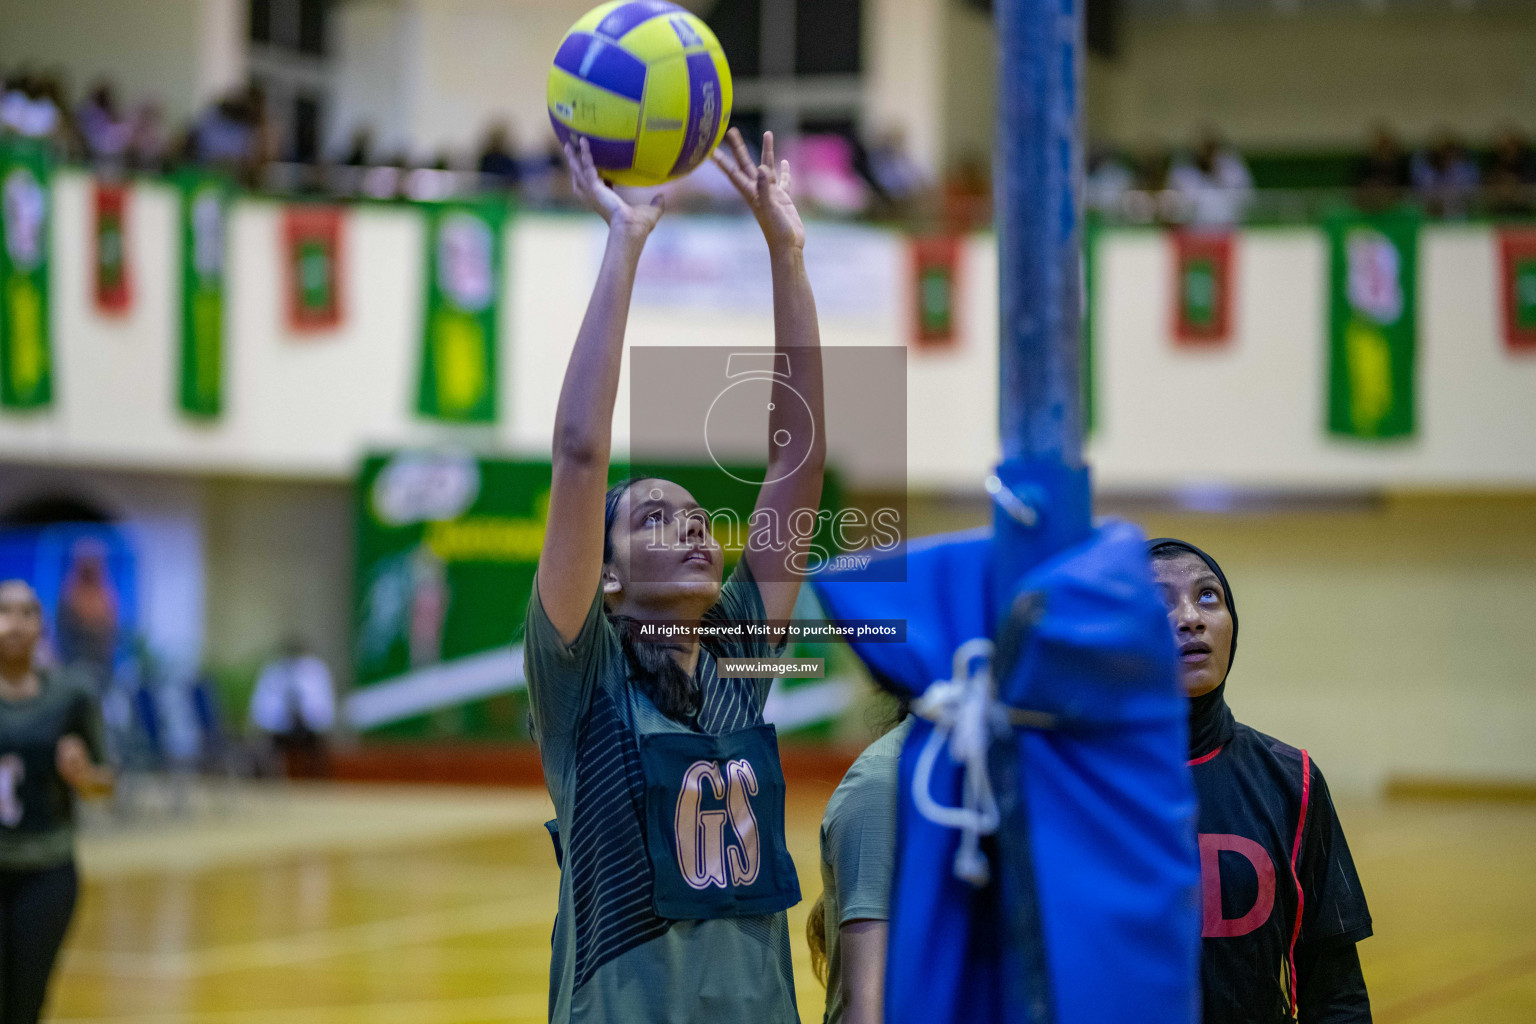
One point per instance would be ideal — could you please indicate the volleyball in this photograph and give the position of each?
(646, 83)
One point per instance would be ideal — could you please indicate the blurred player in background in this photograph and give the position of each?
(50, 751)
(847, 928)
(1282, 906)
(666, 782)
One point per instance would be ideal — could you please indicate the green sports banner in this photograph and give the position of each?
(459, 343)
(446, 547)
(26, 362)
(205, 201)
(1373, 326)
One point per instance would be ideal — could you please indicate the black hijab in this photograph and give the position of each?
(1210, 720)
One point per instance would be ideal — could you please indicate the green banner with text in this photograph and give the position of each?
(457, 381)
(26, 359)
(205, 201)
(1373, 326)
(447, 543)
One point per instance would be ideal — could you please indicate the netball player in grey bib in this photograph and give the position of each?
(665, 779)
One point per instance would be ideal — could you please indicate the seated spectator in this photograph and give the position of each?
(28, 108)
(293, 711)
(105, 132)
(824, 173)
(360, 149)
(890, 170)
(1383, 179)
(498, 160)
(967, 195)
(1110, 178)
(1215, 187)
(1445, 177)
(1511, 180)
(234, 133)
(148, 145)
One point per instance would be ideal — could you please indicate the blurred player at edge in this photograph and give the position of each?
(666, 782)
(50, 750)
(1281, 905)
(848, 927)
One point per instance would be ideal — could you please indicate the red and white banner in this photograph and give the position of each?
(312, 264)
(935, 282)
(112, 272)
(1517, 288)
(1202, 287)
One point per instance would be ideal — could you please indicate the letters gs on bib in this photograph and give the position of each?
(714, 819)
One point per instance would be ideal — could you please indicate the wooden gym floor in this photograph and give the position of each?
(395, 905)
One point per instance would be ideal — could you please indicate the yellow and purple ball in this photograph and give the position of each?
(646, 84)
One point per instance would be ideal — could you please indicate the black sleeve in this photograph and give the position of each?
(1334, 911)
(1330, 987)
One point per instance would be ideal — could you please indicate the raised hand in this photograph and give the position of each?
(765, 189)
(596, 195)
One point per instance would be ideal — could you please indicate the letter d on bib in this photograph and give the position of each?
(1212, 924)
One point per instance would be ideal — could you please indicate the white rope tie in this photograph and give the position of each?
(965, 714)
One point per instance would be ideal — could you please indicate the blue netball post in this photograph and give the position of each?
(1045, 868)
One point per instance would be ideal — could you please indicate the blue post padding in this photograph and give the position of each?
(1106, 799)
(1061, 497)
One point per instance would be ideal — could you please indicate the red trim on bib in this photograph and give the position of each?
(1301, 899)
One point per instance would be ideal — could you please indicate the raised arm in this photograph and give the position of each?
(792, 493)
(572, 560)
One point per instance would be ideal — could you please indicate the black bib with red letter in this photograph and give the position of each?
(1275, 875)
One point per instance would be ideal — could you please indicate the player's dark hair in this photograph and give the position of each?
(656, 672)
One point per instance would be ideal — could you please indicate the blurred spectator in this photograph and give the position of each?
(1215, 188)
(1511, 180)
(1445, 177)
(234, 133)
(498, 160)
(967, 194)
(545, 179)
(1383, 178)
(891, 172)
(148, 144)
(293, 711)
(103, 129)
(28, 108)
(824, 174)
(1109, 179)
(360, 149)
(1152, 167)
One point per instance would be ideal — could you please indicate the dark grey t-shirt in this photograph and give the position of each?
(37, 807)
(858, 851)
(613, 959)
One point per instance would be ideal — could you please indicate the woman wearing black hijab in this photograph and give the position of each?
(1281, 905)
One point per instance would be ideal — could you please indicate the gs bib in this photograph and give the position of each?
(714, 824)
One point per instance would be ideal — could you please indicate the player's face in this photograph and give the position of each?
(1198, 616)
(664, 557)
(21, 623)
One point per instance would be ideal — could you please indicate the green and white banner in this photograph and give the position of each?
(447, 545)
(457, 380)
(1373, 326)
(205, 201)
(26, 360)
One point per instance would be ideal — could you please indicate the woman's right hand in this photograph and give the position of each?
(599, 197)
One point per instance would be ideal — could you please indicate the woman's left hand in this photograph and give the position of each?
(765, 189)
(74, 762)
(75, 766)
